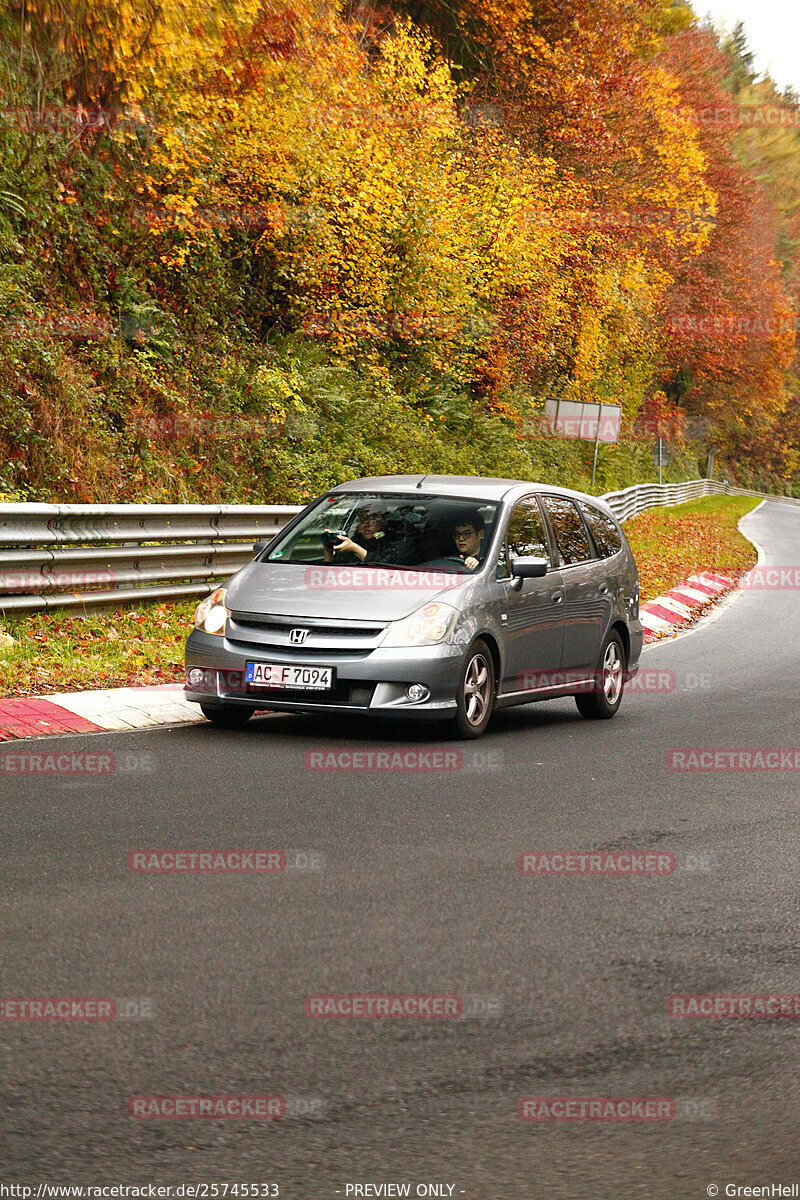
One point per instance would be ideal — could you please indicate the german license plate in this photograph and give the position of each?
(277, 675)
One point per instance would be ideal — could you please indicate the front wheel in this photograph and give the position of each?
(604, 701)
(226, 716)
(475, 694)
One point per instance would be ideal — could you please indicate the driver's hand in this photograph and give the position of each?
(348, 544)
(470, 563)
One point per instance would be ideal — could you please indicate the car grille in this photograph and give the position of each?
(266, 633)
(284, 624)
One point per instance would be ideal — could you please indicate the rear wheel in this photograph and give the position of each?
(226, 716)
(604, 701)
(475, 694)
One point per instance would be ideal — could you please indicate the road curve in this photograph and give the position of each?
(420, 892)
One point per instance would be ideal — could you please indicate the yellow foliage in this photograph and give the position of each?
(380, 215)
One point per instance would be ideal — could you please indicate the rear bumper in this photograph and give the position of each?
(372, 683)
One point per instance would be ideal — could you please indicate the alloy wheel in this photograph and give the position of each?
(477, 689)
(612, 673)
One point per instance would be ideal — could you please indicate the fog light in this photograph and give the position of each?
(195, 677)
(417, 691)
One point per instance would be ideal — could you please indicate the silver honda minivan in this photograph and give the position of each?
(424, 596)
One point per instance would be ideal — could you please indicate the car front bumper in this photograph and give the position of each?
(372, 683)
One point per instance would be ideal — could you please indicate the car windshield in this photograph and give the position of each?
(386, 529)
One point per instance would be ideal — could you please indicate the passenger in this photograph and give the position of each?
(468, 536)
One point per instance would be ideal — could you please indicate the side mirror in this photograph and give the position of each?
(528, 568)
(259, 546)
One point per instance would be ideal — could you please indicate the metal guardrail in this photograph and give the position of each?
(92, 555)
(734, 491)
(633, 500)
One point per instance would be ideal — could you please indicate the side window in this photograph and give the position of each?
(604, 531)
(526, 536)
(570, 531)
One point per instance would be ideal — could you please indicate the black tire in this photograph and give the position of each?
(603, 702)
(226, 716)
(476, 701)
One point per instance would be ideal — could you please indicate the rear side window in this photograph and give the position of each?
(605, 533)
(526, 536)
(571, 536)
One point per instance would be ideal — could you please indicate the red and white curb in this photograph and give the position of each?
(668, 614)
(131, 708)
(93, 712)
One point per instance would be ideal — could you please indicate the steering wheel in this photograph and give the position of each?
(434, 563)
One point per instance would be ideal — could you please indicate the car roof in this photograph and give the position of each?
(472, 487)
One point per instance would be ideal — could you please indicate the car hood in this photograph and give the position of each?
(294, 590)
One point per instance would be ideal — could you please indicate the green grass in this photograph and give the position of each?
(670, 544)
(65, 651)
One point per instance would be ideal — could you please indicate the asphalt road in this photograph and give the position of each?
(420, 893)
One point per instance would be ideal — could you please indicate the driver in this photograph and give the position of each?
(468, 535)
(368, 543)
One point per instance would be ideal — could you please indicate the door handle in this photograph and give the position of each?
(557, 597)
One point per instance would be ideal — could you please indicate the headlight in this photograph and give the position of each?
(425, 627)
(211, 613)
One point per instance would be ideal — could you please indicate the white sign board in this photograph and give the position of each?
(577, 419)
